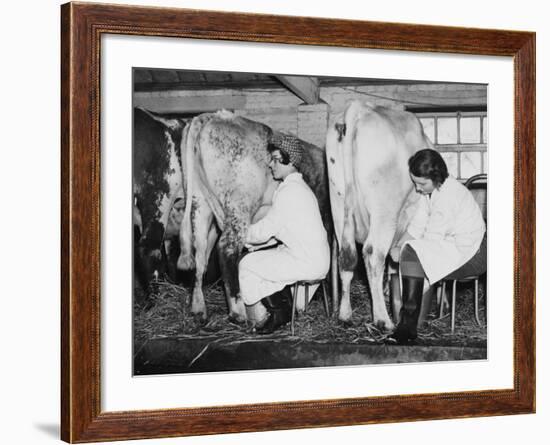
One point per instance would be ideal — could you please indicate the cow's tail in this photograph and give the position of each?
(186, 259)
(210, 197)
(193, 166)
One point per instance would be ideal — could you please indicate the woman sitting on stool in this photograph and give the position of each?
(446, 234)
(295, 220)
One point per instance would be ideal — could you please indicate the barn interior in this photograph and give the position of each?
(454, 117)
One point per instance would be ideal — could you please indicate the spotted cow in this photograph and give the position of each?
(157, 186)
(371, 193)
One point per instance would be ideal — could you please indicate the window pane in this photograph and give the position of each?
(429, 127)
(447, 130)
(485, 130)
(470, 130)
(451, 159)
(470, 163)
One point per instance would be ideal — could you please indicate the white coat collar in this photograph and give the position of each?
(293, 177)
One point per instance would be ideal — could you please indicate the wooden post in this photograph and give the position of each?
(334, 276)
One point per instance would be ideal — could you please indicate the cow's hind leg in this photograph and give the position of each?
(229, 247)
(375, 250)
(345, 304)
(347, 261)
(204, 238)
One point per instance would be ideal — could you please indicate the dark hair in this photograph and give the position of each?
(429, 164)
(285, 158)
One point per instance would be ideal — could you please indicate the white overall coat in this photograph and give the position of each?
(448, 228)
(295, 220)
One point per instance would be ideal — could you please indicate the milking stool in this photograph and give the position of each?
(306, 284)
(477, 185)
(441, 297)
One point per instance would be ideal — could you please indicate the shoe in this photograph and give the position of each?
(403, 335)
(279, 306)
(276, 319)
(278, 300)
(406, 330)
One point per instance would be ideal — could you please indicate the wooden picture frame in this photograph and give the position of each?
(82, 26)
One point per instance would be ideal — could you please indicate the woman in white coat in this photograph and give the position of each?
(293, 219)
(446, 236)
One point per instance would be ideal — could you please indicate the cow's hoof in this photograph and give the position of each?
(385, 327)
(345, 323)
(199, 312)
(237, 319)
(200, 318)
(345, 315)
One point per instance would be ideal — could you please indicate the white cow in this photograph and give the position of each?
(371, 192)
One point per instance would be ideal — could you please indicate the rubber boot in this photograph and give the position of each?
(279, 306)
(412, 300)
(271, 302)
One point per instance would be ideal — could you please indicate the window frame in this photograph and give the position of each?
(459, 147)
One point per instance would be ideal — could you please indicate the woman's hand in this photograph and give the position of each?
(395, 253)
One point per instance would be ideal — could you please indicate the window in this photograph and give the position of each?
(461, 138)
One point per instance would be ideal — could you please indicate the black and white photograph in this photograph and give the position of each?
(175, 172)
(285, 221)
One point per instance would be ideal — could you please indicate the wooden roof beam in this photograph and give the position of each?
(306, 88)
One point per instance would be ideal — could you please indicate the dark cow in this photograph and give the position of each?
(371, 192)
(228, 182)
(157, 181)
